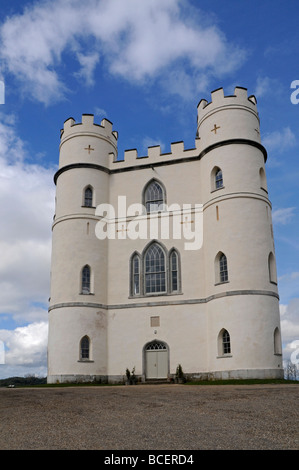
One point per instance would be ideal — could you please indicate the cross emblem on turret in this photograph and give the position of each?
(215, 128)
(89, 149)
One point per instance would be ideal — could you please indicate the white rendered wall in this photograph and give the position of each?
(236, 221)
(67, 326)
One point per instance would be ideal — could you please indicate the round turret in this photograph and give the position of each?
(79, 258)
(228, 117)
(97, 142)
(238, 238)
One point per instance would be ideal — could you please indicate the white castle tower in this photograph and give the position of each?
(205, 298)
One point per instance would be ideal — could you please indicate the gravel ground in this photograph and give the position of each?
(150, 417)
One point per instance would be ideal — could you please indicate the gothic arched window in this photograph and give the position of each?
(155, 269)
(88, 193)
(221, 268)
(174, 271)
(154, 197)
(135, 275)
(223, 272)
(225, 342)
(85, 280)
(84, 348)
(216, 178)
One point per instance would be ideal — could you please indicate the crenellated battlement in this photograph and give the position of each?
(220, 102)
(223, 119)
(240, 98)
(88, 127)
(228, 117)
(154, 155)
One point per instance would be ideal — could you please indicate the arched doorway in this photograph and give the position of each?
(156, 360)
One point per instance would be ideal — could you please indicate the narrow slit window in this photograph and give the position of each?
(86, 280)
(136, 275)
(174, 271)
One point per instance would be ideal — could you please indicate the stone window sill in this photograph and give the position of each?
(219, 283)
(217, 189)
(158, 294)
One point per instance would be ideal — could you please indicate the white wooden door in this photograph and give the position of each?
(156, 363)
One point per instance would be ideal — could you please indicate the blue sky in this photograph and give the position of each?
(144, 65)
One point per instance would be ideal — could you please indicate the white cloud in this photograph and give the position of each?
(266, 86)
(278, 141)
(137, 40)
(26, 345)
(151, 142)
(88, 64)
(184, 83)
(100, 112)
(289, 325)
(288, 278)
(282, 309)
(283, 216)
(27, 207)
(289, 321)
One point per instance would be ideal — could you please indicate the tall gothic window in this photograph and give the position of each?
(136, 275)
(223, 272)
(84, 347)
(218, 179)
(86, 280)
(173, 261)
(155, 272)
(154, 197)
(88, 197)
(226, 342)
(221, 268)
